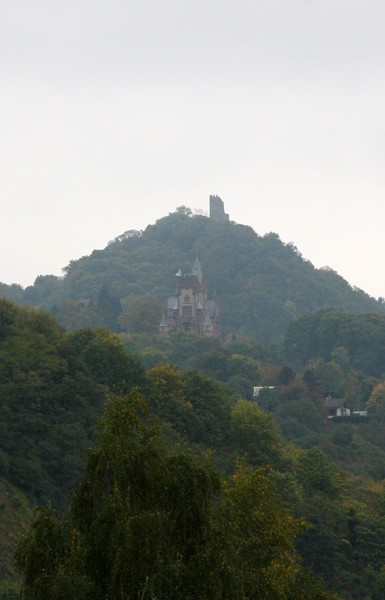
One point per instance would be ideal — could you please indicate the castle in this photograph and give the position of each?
(189, 310)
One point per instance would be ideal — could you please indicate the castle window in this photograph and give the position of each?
(187, 311)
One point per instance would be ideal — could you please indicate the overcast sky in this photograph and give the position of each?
(113, 113)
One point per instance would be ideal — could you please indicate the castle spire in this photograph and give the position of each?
(197, 269)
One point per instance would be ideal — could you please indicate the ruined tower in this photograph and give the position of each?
(217, 209)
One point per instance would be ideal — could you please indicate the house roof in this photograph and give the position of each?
(334, 402)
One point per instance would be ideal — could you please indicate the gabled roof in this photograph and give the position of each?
(334, 402)
(172, 302)
(163, 322)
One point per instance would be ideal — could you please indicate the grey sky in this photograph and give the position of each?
(113, 113)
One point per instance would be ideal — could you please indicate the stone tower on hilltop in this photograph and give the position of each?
(217, 209)
(189, 310)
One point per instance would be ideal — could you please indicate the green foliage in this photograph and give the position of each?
(109, 309)
(298, 416)
(104, 359)
(141, 517)
(15, 517)
(76, 315)
(236, 344)
(261, 534)
(147, 521)
(141, 316)
(254, 434)
(244, 366)
(197, 407)
(166, 395)
(52, 390)
(286, 375)
(325, 377)
(376, 402)
(190, 352)
(40, 554)
(355, 340)
(317, 475)
(150, 516)
(9, 591)
(211, 406)
(140, 512)
(12, 292)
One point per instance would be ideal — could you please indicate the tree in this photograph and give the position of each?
(109, 307)
(341, 356)
(286, 375)
(357, 340)
(259, 547)
(244, 366)
(211, 406)
(323, 545)
(141, 316)
(166, 395)
(326, 377)
(47, 405)
(253, 433)
(317, 474)
(138, 518)
(376, 402)
(103, 357)
(41, 554)
(149, 521)
(184, 210)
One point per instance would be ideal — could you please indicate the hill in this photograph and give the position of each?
(261, 284)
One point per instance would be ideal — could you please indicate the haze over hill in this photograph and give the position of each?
(277, 105)
(261, 284)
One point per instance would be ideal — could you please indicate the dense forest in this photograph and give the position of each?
(261, 284)
(117, 436)
(134, 465)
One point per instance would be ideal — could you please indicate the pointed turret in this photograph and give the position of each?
(197, 270)
(208, 327)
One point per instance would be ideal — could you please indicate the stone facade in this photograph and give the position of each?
(217, 209)
(189, 310)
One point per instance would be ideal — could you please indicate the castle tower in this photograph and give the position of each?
(217, 209)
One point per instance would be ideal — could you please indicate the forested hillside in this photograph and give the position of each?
(360, 338)
(309, 491)
(260, 283)
(52, 390)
